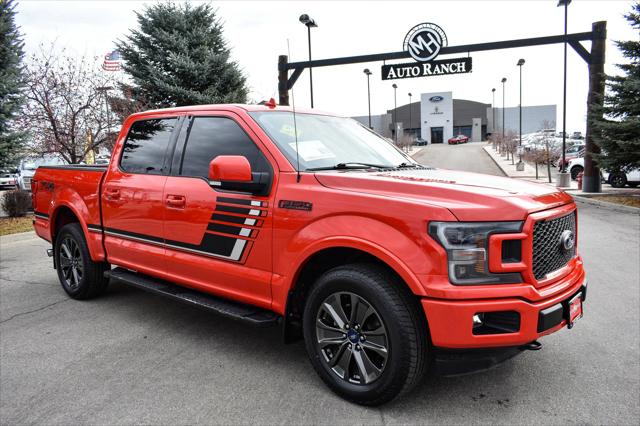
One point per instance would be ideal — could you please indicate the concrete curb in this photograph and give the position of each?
(494, 161)
(606, 205)
(21, 236)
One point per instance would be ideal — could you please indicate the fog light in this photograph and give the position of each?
(477, 320)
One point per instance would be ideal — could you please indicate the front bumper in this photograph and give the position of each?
(451, 321)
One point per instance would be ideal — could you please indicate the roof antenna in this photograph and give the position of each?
(295, 124)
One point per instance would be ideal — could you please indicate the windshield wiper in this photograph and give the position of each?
(407, 165)
(350, 165)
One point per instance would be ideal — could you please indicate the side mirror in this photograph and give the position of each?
(233, 173)
(230, 168)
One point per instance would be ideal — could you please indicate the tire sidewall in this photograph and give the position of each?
(395, 371)
(74, 232)
(618, 180)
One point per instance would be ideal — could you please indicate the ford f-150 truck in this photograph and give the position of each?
(316, 224)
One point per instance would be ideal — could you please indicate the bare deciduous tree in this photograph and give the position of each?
(66, 112)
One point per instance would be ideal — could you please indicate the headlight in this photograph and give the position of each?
(467, 246)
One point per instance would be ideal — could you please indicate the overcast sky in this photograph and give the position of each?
(257, 32)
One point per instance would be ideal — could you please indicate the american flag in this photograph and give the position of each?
(111, 61)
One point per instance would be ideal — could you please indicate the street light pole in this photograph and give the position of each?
(564, 178)
(368, 73)
(520, 165)
(410, 121)
(493, 110)
(310, 23)
(395, 114)
(504, 80)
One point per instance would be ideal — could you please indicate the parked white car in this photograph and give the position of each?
(8, 181)
(615, 179)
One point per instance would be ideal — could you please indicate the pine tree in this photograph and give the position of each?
(618, 132)
(11, 83)
(178, 56)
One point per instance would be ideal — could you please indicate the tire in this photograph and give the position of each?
(575, 171)
(618, 180)
(392, 320)
(79, 276)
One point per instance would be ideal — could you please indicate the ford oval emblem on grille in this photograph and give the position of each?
(567, 240)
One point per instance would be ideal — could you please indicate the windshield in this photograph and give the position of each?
(326, 142)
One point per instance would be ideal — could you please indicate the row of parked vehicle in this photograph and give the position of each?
(20, 176)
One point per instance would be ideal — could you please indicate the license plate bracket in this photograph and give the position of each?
(573, 309)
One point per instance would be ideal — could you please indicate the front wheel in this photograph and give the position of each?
(365, 334)
(80, 277)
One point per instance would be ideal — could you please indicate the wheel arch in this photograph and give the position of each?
(327, 258)
(67, 212)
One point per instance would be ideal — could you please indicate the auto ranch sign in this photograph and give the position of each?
(423, 42)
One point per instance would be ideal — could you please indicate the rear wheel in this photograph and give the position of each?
(365, 334)
(618, 180)
(80, 277)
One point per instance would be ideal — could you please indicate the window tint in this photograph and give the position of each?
(210, 137)
(146, 144)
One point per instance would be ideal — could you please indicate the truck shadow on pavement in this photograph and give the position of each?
(167, 325)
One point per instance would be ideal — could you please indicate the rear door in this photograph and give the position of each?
(132, 196)
(219, 241)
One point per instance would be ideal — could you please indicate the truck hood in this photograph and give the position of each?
(469, 196)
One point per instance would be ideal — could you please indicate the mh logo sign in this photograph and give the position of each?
(424, 41)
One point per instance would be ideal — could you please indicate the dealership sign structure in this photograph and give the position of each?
(426, 69)
(424, 42)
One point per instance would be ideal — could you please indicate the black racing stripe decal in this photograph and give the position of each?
(224, 229)
(230, 209)
(134, 235)
(211, 243)
(233, 201)
(241, 201)
(227, 218)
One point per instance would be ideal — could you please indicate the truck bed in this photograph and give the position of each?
(77, 187)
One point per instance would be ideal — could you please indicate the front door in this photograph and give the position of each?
(132, 197)
(218, 241)
(436, 134)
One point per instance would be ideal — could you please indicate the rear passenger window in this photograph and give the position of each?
(146, 145)
(213, 136)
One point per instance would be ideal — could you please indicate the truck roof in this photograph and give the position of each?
(229, 107)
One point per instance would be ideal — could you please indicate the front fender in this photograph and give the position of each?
(407, 255)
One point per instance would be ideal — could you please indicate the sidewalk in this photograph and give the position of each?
(529, 174)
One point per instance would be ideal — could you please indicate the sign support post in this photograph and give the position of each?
(591, 179)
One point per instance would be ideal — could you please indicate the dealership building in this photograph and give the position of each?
(438, 117)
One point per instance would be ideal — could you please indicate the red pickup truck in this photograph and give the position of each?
(316, 224)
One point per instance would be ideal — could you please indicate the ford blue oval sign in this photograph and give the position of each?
(436, 98)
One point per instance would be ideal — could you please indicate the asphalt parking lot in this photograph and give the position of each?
(131, 357)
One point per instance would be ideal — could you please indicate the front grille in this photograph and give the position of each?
(548, 253)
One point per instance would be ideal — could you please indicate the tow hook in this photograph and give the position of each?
(532, 346)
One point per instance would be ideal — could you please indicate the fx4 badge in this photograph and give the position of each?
(295, 205)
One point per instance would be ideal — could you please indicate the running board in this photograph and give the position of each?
(234, 310)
